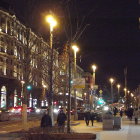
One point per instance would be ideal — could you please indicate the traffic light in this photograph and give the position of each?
(55, 102)
(29, 87)
(100, 101)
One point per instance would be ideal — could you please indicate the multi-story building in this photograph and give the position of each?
(24, 55)
(22, 51)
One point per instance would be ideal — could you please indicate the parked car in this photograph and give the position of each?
(98, 116)
(18, 109)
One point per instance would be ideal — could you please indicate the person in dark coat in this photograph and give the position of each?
(121, 113)
(61, 118)
(115, 111)
(46, 120)
(87, 117)
(130, 113)
(92, 117)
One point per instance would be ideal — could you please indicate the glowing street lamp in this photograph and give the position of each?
(75, 49)
(51, 20)
(92, 86)
(132, 95)
(112, 82)
(118, 86)
(52, 23)
(125, 90)
(94, 67)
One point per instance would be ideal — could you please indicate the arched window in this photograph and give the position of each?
(3, 97)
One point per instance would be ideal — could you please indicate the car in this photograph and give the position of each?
(41, 109)
(18, 109)
(98, 116)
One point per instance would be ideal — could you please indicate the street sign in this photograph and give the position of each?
(79, 83)
(100, 91)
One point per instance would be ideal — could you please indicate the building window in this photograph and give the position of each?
(3, 24)
(3, 97)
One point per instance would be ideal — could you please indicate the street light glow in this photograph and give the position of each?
(125, 89)
(50, 19)
(118, 86)
(94, 67)
(44, 86)
(132, 95)
(75, 48)
(22, 82)
(111, 80)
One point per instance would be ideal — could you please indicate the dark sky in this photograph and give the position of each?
(111, 39)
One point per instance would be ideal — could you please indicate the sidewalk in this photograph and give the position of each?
(129, 131)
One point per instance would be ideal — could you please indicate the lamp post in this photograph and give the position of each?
(125, 90)
(112, 82)
(75, 49)
(118, 86)
(93, 84)
(94, 69)
(52, 23)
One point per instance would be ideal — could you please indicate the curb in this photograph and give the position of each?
(74, 123)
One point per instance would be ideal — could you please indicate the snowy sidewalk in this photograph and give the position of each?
(129, 131)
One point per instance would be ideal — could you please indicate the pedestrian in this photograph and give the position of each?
(136, 115)
(61, 118)
(130, 113)
(115, 111)
(87, 117)
(121, 113)
(92, 117)
(46, 120)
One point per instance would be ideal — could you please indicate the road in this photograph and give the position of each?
(16, 124)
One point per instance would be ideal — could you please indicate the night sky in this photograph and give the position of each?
(111, 38)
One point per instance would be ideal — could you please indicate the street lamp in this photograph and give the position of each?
(132, 95)
(125, 90)
(92, 86)
(94, 69)
(112, 82)
(75, 49)
(52, 23)
(118, 86)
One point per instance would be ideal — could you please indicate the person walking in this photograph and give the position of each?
(46, 120)
(87, 117)
(92, 117)
(121, 113)
(136, 115)
(115, 111)
(61, 118)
